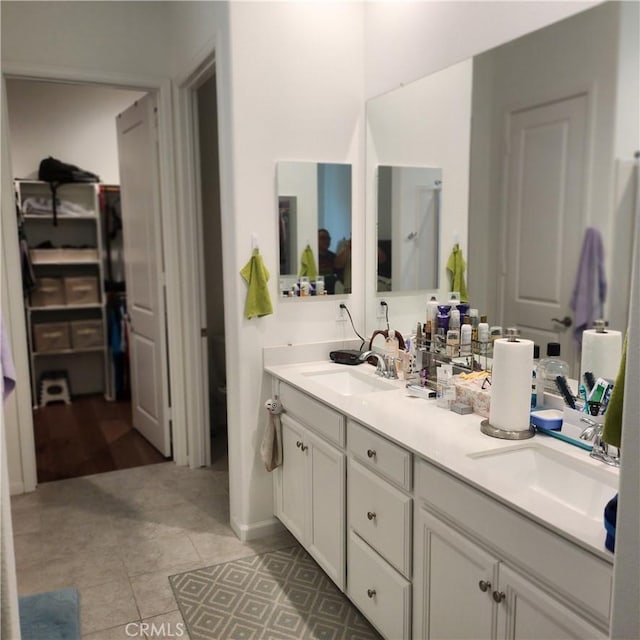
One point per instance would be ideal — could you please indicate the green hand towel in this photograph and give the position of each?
(612, 431)
(255, 274)
(456, 266)
(308, 264)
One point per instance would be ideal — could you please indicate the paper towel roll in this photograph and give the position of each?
(601, 353)
(511, 384)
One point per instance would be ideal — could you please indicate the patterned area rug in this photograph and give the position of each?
(278, 595)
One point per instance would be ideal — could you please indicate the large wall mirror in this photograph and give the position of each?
(536, 141)
(314, 220)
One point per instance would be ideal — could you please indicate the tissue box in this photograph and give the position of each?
(471, 392)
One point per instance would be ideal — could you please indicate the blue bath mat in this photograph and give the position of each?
(53, 615)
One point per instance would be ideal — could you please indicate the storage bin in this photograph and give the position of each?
(51, 336)
(81, 290)
(49, 292)
(86, 334)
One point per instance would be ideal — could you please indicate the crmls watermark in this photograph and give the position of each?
(155, 630)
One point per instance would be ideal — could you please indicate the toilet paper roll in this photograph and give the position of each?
(601, 353)
(511, 384)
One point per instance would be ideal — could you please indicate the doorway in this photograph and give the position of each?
(94, 433)
(204, 96)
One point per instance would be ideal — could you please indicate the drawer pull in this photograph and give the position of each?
(304, 447)
(484, 585)
(499, 596)
(371, 515)
(299, 444)
(371, 592)
(371, 453)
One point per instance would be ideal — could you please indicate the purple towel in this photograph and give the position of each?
(590, 289)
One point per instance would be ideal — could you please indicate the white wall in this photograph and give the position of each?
(74, 123)
(297, 94)
(405, 41)
(125, 37)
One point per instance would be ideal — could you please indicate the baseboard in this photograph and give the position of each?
(247, 532)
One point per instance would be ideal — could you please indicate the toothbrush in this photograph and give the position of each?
(563, 387)
(590, 380)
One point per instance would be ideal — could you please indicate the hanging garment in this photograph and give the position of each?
(456, 267)
(590, 289)
(308, 264)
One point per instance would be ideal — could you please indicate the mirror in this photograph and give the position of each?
(314, 224)
(571, 87)
(408, 216)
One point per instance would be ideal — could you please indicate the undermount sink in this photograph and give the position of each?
(537, 473)
(350, 382)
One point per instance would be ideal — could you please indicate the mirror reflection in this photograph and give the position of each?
(538, 136)
(408, 223)
(314, 224)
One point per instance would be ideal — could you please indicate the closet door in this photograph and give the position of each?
(139, 179)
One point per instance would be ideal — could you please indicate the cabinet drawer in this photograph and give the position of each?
(380, 454)
(381, 515)
(379, 591)
(314, 414)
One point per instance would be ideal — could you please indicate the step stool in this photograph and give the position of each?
(54, 387)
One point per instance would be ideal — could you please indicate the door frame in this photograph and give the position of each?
(175, 276)
(189, 188)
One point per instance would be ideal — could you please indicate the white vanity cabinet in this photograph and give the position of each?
(310, 485)
(379, 521)
(464, 588)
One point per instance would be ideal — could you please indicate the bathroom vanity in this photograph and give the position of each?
(432, 528)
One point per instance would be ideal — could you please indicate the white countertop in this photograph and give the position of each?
(447, 439)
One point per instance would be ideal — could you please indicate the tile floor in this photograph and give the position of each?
(117, 537)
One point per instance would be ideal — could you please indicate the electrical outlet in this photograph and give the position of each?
(341, 314)
(381, 309)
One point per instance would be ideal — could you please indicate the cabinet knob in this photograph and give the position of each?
(371, 592)
(484, 585)
(371, 515)
(371, 453)
(499, 596)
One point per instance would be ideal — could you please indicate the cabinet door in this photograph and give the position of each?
(327, 532)
(527, 612)
(449, 601)
(294, 486)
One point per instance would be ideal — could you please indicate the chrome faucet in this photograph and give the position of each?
(383, 368)
(601, 450)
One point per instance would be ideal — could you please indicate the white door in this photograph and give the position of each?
(453, 583)
(326, 539)
(294, 484)
(545, 191)
(528, 613)
(139, 183)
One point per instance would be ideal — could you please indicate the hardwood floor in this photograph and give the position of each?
(88, 436)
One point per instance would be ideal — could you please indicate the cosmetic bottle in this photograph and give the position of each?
(548, 370)
(536, 383)
(475, 321)
(391, 349)
(443, 321)
(430, 326)
(465, 337)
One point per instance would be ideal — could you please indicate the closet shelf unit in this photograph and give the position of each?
(65, 310)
